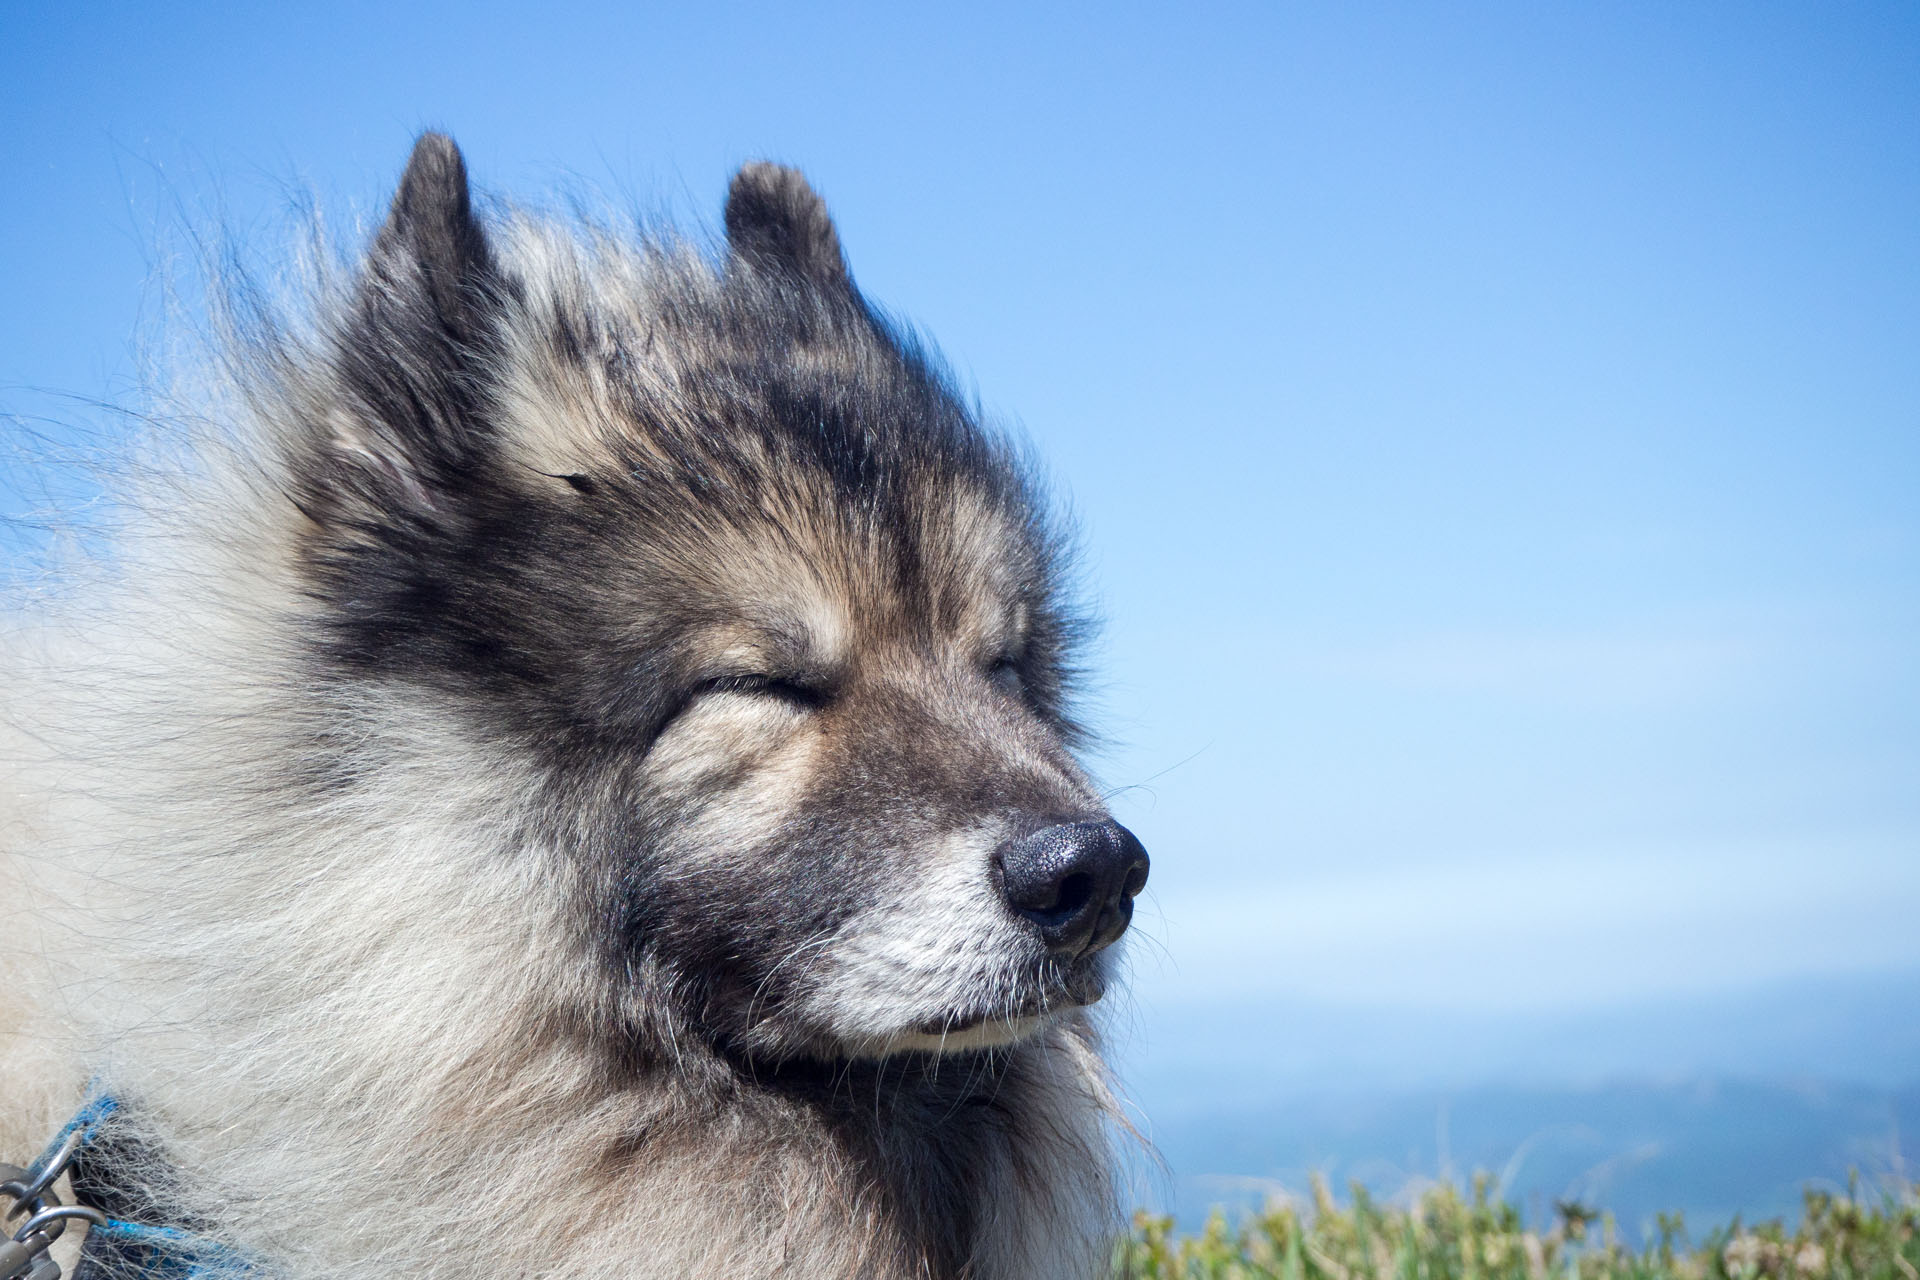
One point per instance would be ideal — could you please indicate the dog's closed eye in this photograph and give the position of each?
(797, 691)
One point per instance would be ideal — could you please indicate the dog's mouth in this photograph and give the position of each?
(1082, 986)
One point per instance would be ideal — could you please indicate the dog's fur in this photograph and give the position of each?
(520, 799)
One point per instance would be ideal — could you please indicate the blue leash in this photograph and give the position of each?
(115, 1249)
(164, 1253)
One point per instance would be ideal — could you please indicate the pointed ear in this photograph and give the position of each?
(410, 342)
(777, 222)
(431, 242)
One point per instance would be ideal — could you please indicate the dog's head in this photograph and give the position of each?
(777, 629)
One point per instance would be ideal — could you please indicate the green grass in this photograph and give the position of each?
(1448, 1235)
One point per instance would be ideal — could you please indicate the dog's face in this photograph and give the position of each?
(779, 628)
(819, 827)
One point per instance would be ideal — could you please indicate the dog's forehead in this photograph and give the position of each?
(827, 489)
(808, 578)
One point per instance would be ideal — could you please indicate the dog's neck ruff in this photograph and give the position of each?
(115, 1248)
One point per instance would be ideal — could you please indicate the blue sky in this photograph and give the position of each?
(1495, 427)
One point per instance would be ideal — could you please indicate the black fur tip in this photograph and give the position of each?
(776, 221)
(432, 224)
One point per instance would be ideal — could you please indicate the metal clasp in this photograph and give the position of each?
(23, 1256)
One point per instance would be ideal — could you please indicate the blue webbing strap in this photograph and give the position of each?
(120, 1250)
(86, 1122)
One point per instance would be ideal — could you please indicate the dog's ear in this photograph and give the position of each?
(432, 244)
(778, 223)
(416, 328)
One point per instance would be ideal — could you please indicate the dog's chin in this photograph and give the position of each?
(987, 1033)
(969, 1028)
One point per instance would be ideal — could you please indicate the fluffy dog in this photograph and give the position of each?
(568, 771)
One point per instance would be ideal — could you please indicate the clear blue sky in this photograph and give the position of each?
(1496, 427)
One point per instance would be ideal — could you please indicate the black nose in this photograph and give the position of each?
(1076, 881)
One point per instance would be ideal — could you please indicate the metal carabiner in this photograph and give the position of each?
(30, 1189)
(59, 1215)
(56, 1164)
(23, 1203)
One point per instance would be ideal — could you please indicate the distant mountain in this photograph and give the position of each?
(1711, 1108)
(1712, 1149)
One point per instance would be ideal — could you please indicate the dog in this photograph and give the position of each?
(568, 769)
